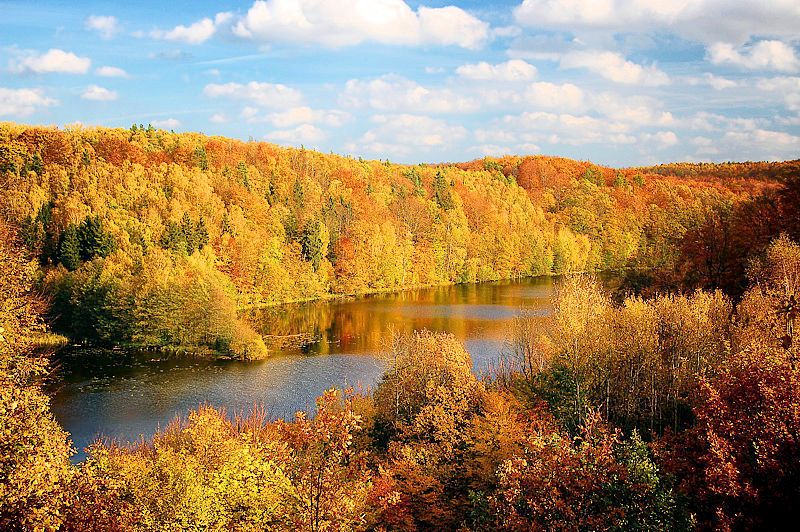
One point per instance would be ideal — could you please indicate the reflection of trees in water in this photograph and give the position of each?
(361, 325)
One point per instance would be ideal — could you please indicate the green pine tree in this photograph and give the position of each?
(69, 248)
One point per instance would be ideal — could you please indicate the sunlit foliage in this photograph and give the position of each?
(253, 223)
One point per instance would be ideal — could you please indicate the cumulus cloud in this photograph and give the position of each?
(555, 128)
(755, 144)
(98, 94)
(715, 82)
(763, 55)
(640, 111)
(23, 102)
(218, 118)
(705, 121)
(302, 134)
(110, 72)
(196, 33)
(512, 70)
(660, 140)
(106, 26)
(307, 115)
(615, 67)
(396, 94)
(733, 21)
(704, 146)
(492, 150)
(545, 95)
(339, 23)
(785, 88)
(406, 134)
(168, 123)
(51, 61)
(268, 95)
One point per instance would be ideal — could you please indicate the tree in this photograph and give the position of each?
(441, 192)
(188, 233)
(94, 240)
(200, 157)
(328, 473)
(69, 248)
(173, 238)
(315, 240)
(34, 450)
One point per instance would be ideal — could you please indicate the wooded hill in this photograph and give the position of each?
(154, 238)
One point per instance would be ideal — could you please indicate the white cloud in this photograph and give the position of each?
(734, 21)
(705, 121)
(715, 82)
(704, 146)
(788, 120)
(196, 33)
(635, 110)
(53, 60)
(23, 102)
(391, 93)
(660, 140)
(763, 55)
(614, 67)
(302, 134)
(512, 70)
(785, 88)
(110, 72)
(407, 134)
(507, 31)
(554, 128)
(218, 118)
(339, 23)
(169, 123)
(759, 144)
(98, 94)
(268, 95)
(451, 25)
(563, 97)
(306, 115)
(106, 26)
(492, 150)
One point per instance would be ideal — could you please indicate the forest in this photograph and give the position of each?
(668, 403)
(155, 239)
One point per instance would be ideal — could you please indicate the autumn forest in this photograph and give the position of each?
(667, 399)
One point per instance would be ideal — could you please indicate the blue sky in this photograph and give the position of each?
(617, 82)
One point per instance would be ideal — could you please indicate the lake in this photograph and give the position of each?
(318, 345)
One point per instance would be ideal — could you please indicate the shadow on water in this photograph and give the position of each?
(124, 396)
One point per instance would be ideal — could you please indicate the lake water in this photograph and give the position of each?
(323, 344)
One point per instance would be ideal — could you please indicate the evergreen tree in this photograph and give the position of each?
(200, 157)
(315, 240)
(241, 168)
(441, 192)
(94, 241)
(173, 238)
(69, 248)
(35, 164)
(226, 224)
(201, 233)
(299, 195)
(188, 232)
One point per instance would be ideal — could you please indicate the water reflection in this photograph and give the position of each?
(125, 396)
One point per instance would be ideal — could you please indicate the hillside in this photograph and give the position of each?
(147, 237)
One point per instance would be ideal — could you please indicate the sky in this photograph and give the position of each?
(621, 83)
